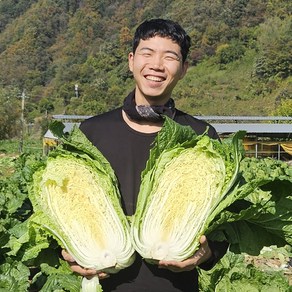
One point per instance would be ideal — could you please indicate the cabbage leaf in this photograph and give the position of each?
(259, 212)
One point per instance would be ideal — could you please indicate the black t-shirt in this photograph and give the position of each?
(127, 151)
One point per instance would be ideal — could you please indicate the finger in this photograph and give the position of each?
(177, 268)
(203, 239)
(170, 268)
(170, 264)
(186, 264)
(82, 271)
(100, 275)
(103, 275)
(66, 256)
(179, 264)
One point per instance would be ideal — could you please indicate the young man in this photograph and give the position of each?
(124, 136)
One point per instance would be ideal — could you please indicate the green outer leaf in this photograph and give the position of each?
(57, 128)
(77, 144)
(258, 217)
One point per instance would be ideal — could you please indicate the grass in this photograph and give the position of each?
(12, 146)
(10, 149)
(6, 165)
(208, 89)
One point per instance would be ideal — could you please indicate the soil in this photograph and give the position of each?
(272, 264)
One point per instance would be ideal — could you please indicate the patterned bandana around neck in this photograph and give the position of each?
(147, 112)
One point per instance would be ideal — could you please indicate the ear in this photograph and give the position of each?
(131, 61)
(185, 67)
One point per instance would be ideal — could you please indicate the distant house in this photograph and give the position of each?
(50, 141)
(265, 137)
(69, 121)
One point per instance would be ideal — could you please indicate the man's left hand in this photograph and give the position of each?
(200, 256)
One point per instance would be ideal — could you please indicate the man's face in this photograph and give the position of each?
(157, 66)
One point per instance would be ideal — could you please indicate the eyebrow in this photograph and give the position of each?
(167, 51)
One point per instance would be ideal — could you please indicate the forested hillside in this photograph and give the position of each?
(240, 57)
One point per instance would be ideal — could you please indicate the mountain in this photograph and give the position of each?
(240, 59)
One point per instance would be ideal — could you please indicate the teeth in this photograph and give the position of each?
(154, 78)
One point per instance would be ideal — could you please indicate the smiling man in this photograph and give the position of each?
(125, 135)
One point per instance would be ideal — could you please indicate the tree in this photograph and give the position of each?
(229, 52)
(46, 106)
(10, 112)
(275, 42)
(284, 109)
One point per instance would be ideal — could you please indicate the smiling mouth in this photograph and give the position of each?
(155, 78)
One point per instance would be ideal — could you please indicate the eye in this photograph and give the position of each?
(171, 58)
(146, 55)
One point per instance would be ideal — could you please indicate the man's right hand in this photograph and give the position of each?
(88, 273)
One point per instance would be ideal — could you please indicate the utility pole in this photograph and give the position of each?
(22, 122)
(76, 91)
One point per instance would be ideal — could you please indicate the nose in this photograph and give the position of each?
(157, 62)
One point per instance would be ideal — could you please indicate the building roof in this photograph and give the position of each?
(273, 125)
(253, 128)
(70, 117)
(245, 118)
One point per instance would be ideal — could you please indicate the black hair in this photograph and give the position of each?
(164, 28)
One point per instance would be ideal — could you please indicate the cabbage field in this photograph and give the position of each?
(30, 258)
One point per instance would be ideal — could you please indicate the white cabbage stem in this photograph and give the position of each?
(91, 285)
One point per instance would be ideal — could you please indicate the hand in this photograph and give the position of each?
(88, 273)
(200, 256)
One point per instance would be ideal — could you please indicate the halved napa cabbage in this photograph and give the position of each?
(75, 197)
(181, 186)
